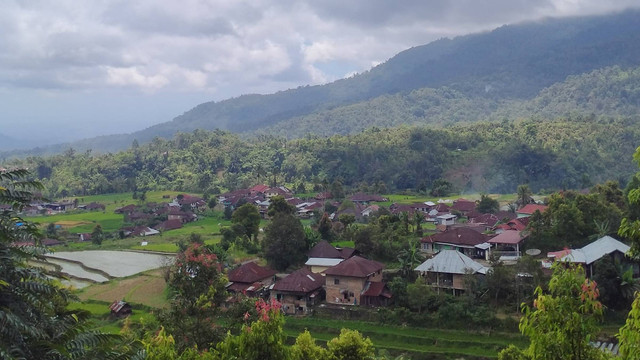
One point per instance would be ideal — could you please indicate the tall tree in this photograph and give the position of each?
(285, 242)
(248, 216)
(524, 195)
(563, 321)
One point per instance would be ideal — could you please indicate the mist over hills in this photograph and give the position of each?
(512, 71)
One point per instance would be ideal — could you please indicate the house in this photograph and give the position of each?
(507, 244)
(370, 210)
(518, 224)
(347, 281)
(529, 209)
(323, 256)
(192, 202)
(323, 196)
(94, 206)
(278, 191)
(376, 293)
(464, 206)
(169, 225)
(447, 270)
(84, 237)
(250, 279)
(299, 291)
(126, 209)
(446, 219)
(139, 231)
(588, 255)
(120, 308)
(258, 189)
(488, 220)
(465, 240)
(183, 216)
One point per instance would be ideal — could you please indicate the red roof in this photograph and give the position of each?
(169, 225)
(300, 281)
(325, 250)
(250, 273)
(355, 266)
(377, 289)
(457, 236)
(489, 219)
(510, 237)
(464, 205)
(259, 188)
(531, 208)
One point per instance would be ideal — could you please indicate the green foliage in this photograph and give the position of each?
(305, 348)
(285, 242)
(629, 335)
(350, 345)
(263, 339)
(248, 217)
(278, 205)
(199, 288)
(563, 321)
(34, 316)
(487, 205)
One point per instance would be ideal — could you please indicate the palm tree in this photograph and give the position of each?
(524, 195)
(34, 320)
(409, 258)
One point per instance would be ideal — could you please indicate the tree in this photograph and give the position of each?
(418, 218)
(278, 204)
(524, 195)
(409, 258)
(284, 243)
(228, 212)
(263, 339)
(487, 205)
(199, 286)
(325, 227)
(563, 321)
(441, 187)
(336, 190)
(629, 334)
(248, 216)
(305, 348)
(34, 320)
(97, 235)
(350, 345)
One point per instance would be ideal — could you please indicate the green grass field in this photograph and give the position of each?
(416, 342)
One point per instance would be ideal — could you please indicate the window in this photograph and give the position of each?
(336, 281)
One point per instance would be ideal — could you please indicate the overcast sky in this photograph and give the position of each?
(73, 69)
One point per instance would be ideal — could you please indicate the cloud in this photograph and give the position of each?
(222, 48)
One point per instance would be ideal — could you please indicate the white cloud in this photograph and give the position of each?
(224, 48)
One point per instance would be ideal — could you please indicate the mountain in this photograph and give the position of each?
(468, 78)
(511, 62)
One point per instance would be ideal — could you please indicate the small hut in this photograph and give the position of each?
(120, 308)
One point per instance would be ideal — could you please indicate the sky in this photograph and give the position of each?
(77, 69)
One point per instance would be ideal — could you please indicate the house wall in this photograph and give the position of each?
(292, 304)
(317, 269)
(350, 286)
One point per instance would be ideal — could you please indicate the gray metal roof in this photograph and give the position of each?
(452, 262)
(596, 250)
(323, 261)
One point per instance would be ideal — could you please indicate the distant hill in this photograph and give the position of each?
(467, 78)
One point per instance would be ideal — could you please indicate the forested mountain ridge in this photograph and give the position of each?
(609, 92)
(571, 153)
(515, 61)
(469, 78)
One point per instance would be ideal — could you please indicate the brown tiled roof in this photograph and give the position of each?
(489, 219)
(464, 205)
(376, 288)
(347, 252)
(324, 250)
(507, 237)
(250, 273)
(169, 225)
(300, 281)
(259, 188)
(355, 266)
(457, 236)
(531, 208)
